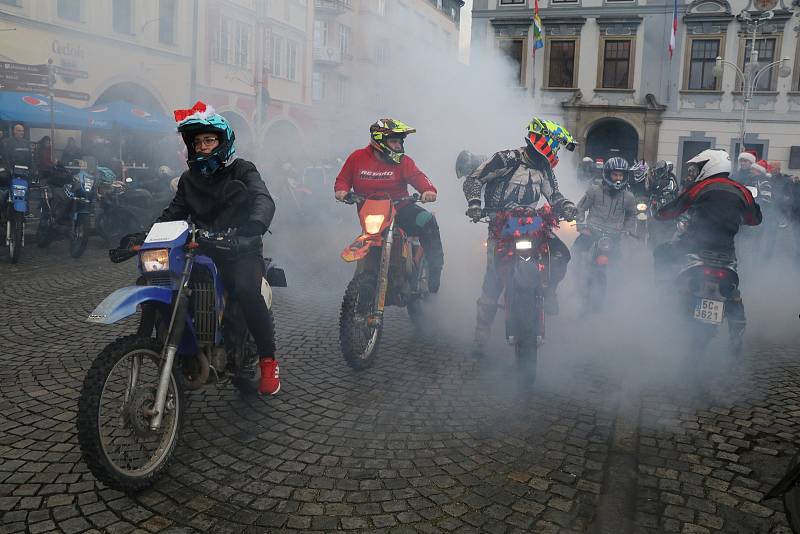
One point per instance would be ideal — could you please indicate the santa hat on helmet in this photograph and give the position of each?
(749, 156)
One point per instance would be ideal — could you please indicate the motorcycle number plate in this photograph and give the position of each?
(709, 311)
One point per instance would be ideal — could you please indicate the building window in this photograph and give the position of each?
(222, 40)
(242, 51)
(121, 16)
(702, 59)
(766, 54)
(291, 60)
(14, 3)
(320, 33)
(317, 86)
(513, 50)
(616, 64)
(344, 39)
(561, 63)
(70, 10)
(515, 2)
(166, 21)
(690, 150)
(343, 91)
(276, 46)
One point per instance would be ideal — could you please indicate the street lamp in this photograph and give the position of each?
(749, 76)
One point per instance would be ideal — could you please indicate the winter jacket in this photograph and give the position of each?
(610, 210)
(717, 206)
(366, 173)
(201, 199)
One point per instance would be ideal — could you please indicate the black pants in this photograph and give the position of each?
(421, 223)
(242, 276)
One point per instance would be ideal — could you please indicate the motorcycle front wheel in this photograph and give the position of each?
(113, 428)
(16, 229)
(80, 237)
(524, 315)
(359, 341)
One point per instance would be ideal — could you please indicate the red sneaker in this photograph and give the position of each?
(270, 379)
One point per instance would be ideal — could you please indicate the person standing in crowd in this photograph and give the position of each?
(72, 152)
(18, 148)
(44, 159)
(745, 173)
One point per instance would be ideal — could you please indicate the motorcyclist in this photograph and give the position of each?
(717, 206)
(210, 143)
(663, 190)
(518, 178)
(638, 183)
(382, 167)
(586, 170)
(610, 205)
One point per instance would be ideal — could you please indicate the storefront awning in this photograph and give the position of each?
(127, 116)
(34, 110)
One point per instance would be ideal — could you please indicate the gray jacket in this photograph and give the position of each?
(612, 211)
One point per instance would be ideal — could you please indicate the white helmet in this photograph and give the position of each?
(711, 163)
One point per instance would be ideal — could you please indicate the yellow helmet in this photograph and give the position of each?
(547, 138)
(384, 129)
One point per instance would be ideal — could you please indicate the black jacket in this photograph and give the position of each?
(717, 206)
(200, 199)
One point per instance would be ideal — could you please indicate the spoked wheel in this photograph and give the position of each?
(113, 421)
(16, 230)
(358, 339)
(79, 237)
(44, 230)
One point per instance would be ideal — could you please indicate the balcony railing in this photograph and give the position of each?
(328, 54)
(332, 7)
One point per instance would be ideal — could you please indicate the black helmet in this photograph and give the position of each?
(616, 164)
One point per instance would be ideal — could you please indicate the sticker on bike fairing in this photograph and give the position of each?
(166, 231)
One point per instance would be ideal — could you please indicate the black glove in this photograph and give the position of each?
(474, 211)
(251, 229)
(568, 210)
(131, 240)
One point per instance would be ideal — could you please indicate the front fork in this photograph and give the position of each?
(177, 324)
(383, 277)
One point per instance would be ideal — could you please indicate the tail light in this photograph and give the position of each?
(711, 272)
(601, 260)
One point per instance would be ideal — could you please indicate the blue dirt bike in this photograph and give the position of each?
(12, 213)
(66, 212)
(191, 333)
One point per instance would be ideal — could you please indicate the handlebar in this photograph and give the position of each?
(354, 198)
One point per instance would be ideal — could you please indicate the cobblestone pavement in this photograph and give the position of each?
(429, 440)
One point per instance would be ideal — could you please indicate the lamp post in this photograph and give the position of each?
(750, 74)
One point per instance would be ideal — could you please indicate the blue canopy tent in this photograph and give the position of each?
(127, 116)
(34, 110)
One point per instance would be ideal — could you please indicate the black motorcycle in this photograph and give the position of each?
(605, 248)
(67, 210)
(126, 208)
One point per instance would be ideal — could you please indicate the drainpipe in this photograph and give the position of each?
(193, 81)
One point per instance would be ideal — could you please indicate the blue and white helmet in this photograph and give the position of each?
(203, 119)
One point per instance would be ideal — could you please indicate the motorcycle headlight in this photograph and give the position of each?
(641, 206)
(523, 245)
(373, 223)
(18, 191)
(155, 260)
(88, 183)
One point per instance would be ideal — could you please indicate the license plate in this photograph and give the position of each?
(709, 311)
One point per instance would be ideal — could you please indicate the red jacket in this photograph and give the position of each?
(366, 173)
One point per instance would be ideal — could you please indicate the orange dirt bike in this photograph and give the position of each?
(391, 270)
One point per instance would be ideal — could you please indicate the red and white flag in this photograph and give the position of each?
(674, 33)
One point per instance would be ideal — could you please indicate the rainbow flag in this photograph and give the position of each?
(538, 29)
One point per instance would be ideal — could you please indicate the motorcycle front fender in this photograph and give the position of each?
(123, 302)
(526, 274)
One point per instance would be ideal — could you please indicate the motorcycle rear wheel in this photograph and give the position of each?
(15, 242)
(359, 343)
(133, 467)
(79, 238)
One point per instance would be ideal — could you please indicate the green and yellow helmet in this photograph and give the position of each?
(384, 129)
(547, 138)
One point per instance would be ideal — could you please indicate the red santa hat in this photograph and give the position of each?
(749, 156)
(758, 168)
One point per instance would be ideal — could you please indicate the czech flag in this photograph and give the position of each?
(673, 35)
